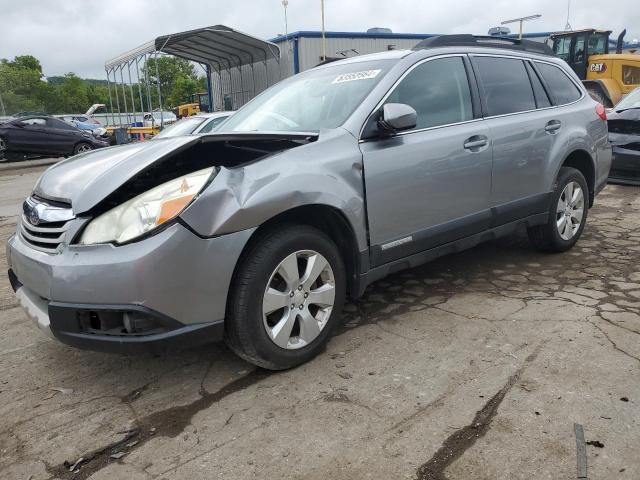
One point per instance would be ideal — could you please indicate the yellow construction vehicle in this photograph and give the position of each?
(194, 104)
(607, 76)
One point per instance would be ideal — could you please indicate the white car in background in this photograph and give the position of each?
(87, 117)
(195, 125)
(156, 119)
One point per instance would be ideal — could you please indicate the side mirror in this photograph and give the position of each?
(397, 117)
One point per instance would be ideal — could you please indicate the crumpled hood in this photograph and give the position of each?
(84, 180)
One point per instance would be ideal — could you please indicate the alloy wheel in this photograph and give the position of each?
(570, 210)
(298, 300)
(83, 148)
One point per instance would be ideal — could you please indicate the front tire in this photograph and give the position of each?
(567, 213)
(286, 297)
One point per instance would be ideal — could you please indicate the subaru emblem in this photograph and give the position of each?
(34, 218)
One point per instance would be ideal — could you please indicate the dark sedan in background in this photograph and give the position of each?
(624, 135)
(44, 135)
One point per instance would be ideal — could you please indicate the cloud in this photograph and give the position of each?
(79, 36)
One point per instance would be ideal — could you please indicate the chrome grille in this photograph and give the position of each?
(44, 226)
(46, 236)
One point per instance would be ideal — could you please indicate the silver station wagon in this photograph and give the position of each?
(319, 186)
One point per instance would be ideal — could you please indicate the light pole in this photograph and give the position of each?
(521, 20)
(285, 4)
(324, 40)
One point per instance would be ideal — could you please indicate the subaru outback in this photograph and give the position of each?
(322, 184)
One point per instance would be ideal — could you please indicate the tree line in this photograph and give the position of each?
(23, 87)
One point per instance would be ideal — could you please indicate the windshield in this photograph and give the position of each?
(183, 127)
(319, 98)
(630, 101)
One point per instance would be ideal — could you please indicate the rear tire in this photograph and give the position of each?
(567, 213)
(82, 147)
(3, 148)
(278, 315)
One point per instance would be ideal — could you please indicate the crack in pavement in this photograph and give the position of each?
(169, 422)
(613, 344)
(463, 439)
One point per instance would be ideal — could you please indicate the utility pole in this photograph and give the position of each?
(324, 40)
(521, 20)
(285, 4)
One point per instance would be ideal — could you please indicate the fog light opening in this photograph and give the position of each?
(118, 323)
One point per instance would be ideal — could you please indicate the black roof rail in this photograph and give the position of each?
(466, 40)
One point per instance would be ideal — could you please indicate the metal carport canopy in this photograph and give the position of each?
(218, 45)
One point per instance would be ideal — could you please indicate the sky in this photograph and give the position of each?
(80, 35)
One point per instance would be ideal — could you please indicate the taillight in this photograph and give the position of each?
(602, 113)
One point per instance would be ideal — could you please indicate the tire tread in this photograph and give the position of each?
(238, 335)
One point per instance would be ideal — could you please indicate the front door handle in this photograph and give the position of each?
(553, 126)
(475, 143)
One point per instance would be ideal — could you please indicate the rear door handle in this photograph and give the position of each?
(553, 126)
(475, 143)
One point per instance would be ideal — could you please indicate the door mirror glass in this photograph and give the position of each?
(397, 117)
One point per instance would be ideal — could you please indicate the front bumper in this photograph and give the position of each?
(174, 282)
(625, 166)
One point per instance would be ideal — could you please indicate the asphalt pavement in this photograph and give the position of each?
(478, 365)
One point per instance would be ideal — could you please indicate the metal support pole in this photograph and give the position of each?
(159, 94)
(124, 96)
(110, 100)
(520, 31)
(140, 90)
(241, 85)
(148, 86)
(115, 89)
(209, 89)
(266, 74)
(222, 90)
(253, 80)
(133, 103)
(324, 40)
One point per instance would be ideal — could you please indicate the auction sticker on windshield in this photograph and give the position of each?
(350, 77)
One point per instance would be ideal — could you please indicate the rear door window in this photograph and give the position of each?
(55, 123)
(36, 122)
(439, 92)
(506, 85)
(562, 88)
(542, 99)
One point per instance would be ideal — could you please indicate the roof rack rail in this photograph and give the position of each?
(466, 40)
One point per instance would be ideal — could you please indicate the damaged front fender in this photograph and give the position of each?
(327, 172)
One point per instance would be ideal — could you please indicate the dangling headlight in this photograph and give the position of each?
(147, 211)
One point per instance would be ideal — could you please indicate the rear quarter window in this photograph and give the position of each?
(562, 88)
(506, 85)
